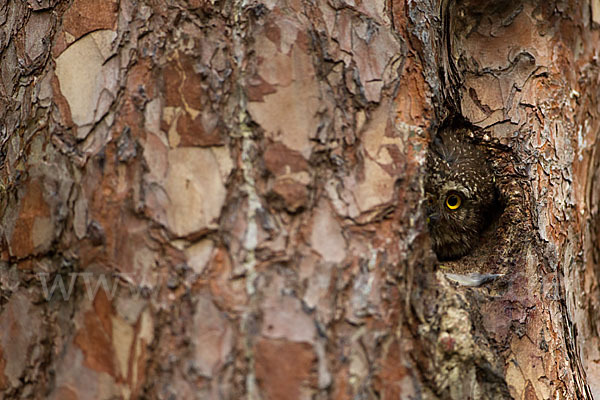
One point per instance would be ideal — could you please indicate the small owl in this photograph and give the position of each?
(460, 192)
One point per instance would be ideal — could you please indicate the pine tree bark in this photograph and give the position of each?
(223, 199)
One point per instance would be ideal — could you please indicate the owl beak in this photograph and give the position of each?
(433, 218)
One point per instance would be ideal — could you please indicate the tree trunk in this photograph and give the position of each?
(223, 199)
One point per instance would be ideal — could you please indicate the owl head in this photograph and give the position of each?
(460, 193)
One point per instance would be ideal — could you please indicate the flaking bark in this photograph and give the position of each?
(246, 178)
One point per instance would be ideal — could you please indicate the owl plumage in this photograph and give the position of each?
(460, 192)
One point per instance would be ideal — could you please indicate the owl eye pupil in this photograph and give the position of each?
(453, 201)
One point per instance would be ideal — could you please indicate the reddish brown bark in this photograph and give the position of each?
(245, 178)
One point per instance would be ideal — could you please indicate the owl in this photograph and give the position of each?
(460, 192)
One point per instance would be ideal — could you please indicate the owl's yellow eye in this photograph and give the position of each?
(453, 201)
